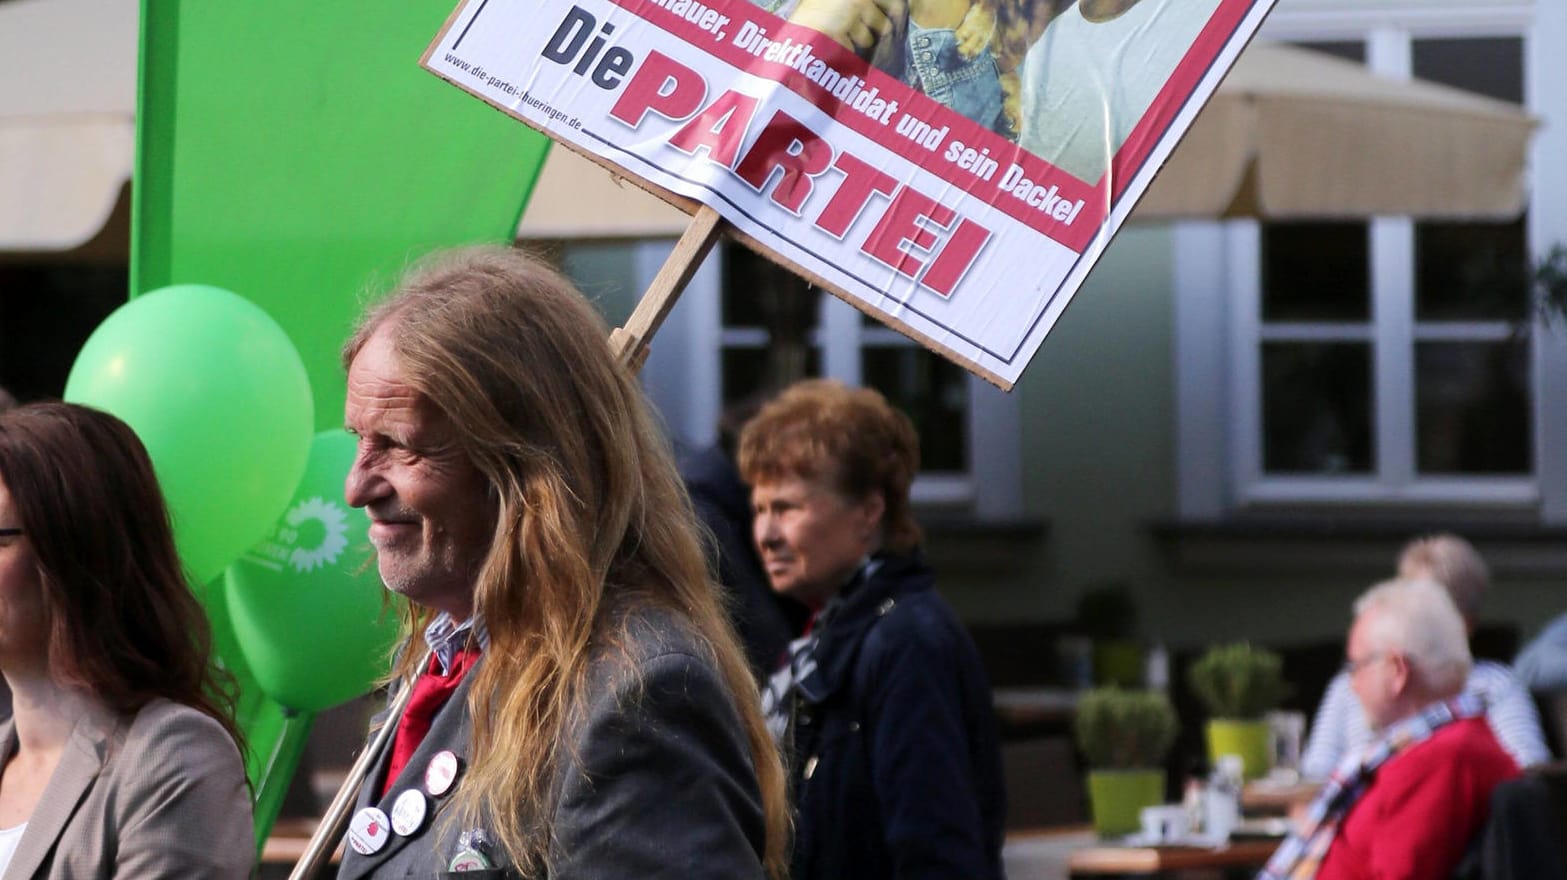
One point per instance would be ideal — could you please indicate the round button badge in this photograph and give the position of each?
(468, 859)
(441, 772)
(368, 831)
(408, 812)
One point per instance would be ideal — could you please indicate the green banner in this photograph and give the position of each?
(294, 153)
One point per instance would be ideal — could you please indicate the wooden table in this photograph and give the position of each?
(289, 840)
(1043, 853)
(1074, 851)
(1041, 705)
(1263, 796)
(1154, 861)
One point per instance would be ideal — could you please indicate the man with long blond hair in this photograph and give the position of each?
(583, 709)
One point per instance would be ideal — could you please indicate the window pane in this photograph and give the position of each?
(47, 311)
(1349, 50)
(605, 272)
(759, 293)
(934, 393)
(1315, 272)
(1316, 408)
(748, 371)
(1472, 407)
(1471, 271)
(1491, 66)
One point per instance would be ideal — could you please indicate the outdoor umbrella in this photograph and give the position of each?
(67, 141)
(1292, 133)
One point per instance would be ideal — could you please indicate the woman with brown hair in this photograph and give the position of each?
(882, 707)
(121, 758)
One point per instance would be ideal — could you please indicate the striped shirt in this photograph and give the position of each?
(446, 637)
(1340, 725)
(1542, 664)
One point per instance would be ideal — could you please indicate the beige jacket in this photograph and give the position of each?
(160, 795)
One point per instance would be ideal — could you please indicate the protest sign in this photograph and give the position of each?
(955, 182)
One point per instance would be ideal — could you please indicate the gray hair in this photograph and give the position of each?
(1419, 620)
(1452, 562)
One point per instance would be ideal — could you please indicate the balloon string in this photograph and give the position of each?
(289, 717)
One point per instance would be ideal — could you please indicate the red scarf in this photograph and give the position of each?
(431, 691)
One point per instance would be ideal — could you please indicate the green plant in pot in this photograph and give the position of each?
(1238, 684)
(1107, 613)
(1125, 737)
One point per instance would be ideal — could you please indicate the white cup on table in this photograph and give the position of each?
(1167, 823)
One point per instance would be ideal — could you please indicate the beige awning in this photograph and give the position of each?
(575, 198)
(60, 178)
(1292, 133)
(1289, 133)
(67, 119)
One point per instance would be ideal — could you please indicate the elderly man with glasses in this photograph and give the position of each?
(1340, 726)
(1408, 804)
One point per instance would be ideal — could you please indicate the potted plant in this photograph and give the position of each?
(1125, 737)
(1107, 614)
(1238, 684)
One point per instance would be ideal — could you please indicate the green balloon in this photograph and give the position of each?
(219, 396)
(307, 605)
(225, 647)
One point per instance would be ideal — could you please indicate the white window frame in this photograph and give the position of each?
(1217, 296)
(684, 377)
(1391, 333)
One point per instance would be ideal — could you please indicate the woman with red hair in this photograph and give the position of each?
(882, 708)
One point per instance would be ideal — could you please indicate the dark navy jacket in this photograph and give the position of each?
(896, 766)
(722, 501)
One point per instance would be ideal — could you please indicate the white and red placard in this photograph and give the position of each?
(970, 236)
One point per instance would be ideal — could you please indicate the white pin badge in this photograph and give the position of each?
(368, 832)
(408, 812)
(441, 772)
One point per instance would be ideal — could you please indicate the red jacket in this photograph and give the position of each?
(1422, 809)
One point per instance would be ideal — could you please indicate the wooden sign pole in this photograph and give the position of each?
(630, 343)
(329, 833)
